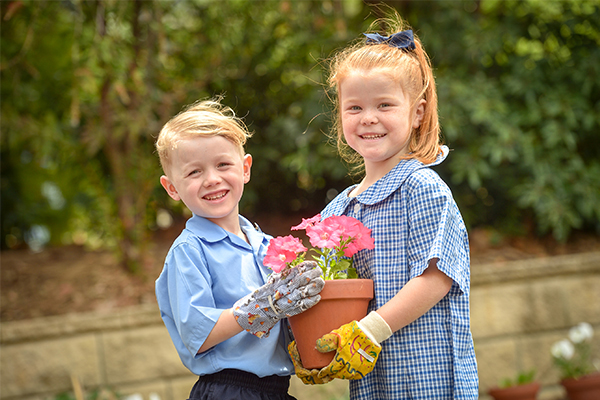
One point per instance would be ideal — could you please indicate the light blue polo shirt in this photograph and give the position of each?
(206, 271)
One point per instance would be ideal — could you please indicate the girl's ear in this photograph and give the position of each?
(419, 113)
(247, 166)
(169, 187)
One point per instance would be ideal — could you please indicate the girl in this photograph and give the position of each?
(386, 111)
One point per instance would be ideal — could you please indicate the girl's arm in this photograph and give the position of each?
(225, 328)
(417, 297)
(412, 301)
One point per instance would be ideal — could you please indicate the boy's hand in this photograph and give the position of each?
(308, 377)
(357, 347)
(284, 295)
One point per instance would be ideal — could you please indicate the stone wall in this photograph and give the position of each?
(518, 309)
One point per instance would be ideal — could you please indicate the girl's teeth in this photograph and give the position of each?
(372, 136)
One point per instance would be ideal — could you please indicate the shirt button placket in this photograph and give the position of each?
(357, 209)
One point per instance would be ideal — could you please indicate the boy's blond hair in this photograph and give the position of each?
(203, 118)
(411, 69)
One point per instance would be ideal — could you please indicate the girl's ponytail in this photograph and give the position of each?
(425, 140)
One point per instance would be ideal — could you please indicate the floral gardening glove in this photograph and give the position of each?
(308, 377)
(357, 347)
(285, 294)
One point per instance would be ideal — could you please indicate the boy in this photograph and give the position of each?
(214, 293)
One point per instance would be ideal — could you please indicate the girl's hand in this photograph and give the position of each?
(357, 347)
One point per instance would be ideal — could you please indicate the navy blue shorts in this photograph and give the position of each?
(233, 384)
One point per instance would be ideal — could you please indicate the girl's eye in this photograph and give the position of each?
(223, 164)
(382, 105)
(354, 108)
(194, 172)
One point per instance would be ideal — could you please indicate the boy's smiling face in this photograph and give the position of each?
(208, 174)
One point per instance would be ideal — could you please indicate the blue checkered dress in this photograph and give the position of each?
(414, 218)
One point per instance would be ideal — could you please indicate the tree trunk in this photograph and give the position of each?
(123, 153)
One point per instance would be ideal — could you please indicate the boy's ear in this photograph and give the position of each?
(247, 167)
(169, 187)
(419, 113)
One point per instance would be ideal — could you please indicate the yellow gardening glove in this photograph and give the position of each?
(308, 377)
(357, 347)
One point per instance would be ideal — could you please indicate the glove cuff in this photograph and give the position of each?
(375, 327)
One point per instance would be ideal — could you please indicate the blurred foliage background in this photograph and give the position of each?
(87, 85)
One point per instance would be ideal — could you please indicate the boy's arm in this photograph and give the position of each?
(225, 328)
(285, 294)
(282, 296)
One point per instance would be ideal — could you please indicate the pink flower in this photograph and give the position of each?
(324, 234)
(307, 222)
(342, 233)
(359, 238)
(336, 239)
(282, 251)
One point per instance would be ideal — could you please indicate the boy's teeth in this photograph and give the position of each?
(216, 197)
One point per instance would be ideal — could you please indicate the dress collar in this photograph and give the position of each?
(391, 181)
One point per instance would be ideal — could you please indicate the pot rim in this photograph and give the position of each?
(348, 288)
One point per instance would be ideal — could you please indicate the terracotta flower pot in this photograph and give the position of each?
(585, 388)
(520, 392)
(342, 301)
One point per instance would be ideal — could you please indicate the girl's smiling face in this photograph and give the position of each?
(208, 174)
(377, 119)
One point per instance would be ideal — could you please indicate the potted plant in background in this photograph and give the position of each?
(344, 298)
(523, 387)
(573, 356)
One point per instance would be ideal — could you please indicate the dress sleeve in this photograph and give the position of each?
(437, 230)
(190, 294)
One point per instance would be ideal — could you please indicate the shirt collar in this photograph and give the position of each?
(255, 236)
(389, 183)
(211, 232)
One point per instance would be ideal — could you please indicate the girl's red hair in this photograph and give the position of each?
(410, 68)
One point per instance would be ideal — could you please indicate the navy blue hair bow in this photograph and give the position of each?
(400, 40)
